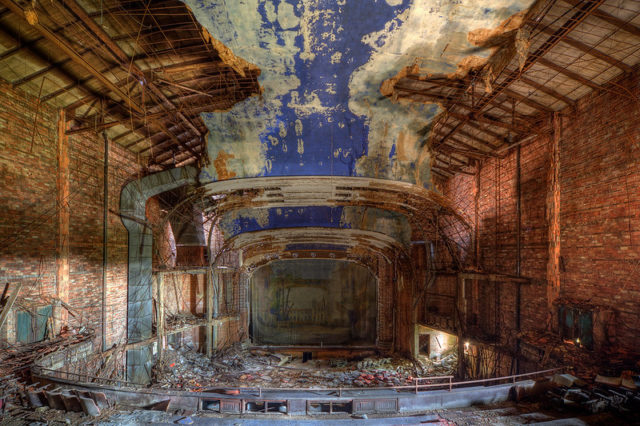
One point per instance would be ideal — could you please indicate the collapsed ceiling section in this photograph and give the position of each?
(323, 63)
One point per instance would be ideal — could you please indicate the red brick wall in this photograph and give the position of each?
(28, 221)
(599, 213)
(600, 206)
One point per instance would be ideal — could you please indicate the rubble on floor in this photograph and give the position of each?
(619, 394)
(17, 359)
(552, 351)
(444, 365)
(238, 366)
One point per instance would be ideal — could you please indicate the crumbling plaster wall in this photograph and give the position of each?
(29, 218)
(599, 183)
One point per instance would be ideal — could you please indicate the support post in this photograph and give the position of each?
(133, 200)
(62, 204)
(160, 318)
(209, 296)
(105, 239)
(553, 220)
(462, 322)
(518, 251)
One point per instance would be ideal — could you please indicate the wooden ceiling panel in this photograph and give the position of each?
(97, 57)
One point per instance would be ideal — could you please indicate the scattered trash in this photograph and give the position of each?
(237, 366)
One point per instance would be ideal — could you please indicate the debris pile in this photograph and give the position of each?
(445, 365)
(180, 320)
(29, 403)
(238, 366)
(616, 394)
(17, 359)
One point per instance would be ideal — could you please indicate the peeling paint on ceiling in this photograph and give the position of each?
(322, 64)
(373, 219)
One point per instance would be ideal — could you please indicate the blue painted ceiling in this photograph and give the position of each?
(322, 112)
(322, 64)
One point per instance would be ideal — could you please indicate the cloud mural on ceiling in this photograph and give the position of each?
(322, 64)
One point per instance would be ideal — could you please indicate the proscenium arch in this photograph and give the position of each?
(414, 201)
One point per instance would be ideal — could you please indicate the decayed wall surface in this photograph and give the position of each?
(598, 223)
(30, 221)
(600, 206)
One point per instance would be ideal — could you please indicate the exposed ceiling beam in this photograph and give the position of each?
(142, 57)
(616, 22)
(546, 89)
(525, 100)
(568, 73)
(584, 9)
(71, 52)
(468, 149)
(96, 31)
(591, 51)
(451, 100)
(63, 74)
(491, 120)
(473, 137)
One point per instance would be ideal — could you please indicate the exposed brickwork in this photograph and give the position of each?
(28, 221)
(599, 182)
(600, 206)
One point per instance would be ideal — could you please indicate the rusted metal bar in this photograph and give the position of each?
(527, 101)
(568, 73)
(547, 90)
(127, 64)
(584, 10)
(616, 22)
(591, 51)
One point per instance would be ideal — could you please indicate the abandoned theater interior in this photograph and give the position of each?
(322, 210)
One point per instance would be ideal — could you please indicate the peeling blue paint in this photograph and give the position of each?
(385, 222)
(322, 65)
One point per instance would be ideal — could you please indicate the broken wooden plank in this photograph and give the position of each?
(7, 307)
